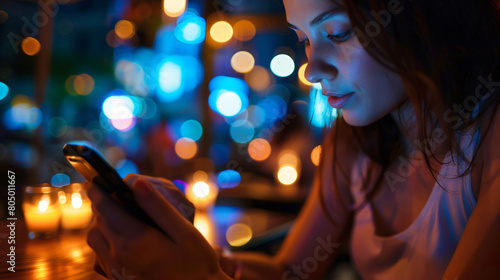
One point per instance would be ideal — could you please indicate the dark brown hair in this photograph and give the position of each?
(441, 50)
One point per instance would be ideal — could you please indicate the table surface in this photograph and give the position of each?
(67, 255)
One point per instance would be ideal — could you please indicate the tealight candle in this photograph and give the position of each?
(41, 210)
(76, 207)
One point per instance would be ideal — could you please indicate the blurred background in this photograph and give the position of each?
(209, 94)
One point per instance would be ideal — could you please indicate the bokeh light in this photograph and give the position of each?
(316, 155)
(282, 65)
(186, 148)
(238, 234)
(201, 189)
(259, 149)
(191, 129)
(244, 30)
(228, 84)
(125, 124)
(229, 103)
(125, 167)
(124, 29)
(190, 29)
(111, 39)
(118, 107)
(178, 75)
(242, 131)
(287, 175)
(258, 78)
(83, 84)
(22, 116)
(170, 80)
(242, 62)
(4, 90)
(228, 95)
(256, 115)
(59, 180)
(275, 108)
(221, 31)
(174, 8)
(20, 99)
(200, 176)
(30, 46)
(302, 75)
(288, 157)
(228, 179)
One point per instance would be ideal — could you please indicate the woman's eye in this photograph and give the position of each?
(303, 43)
(340, 37)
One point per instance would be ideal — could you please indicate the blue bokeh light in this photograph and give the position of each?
(60, 180)
(4, 90)
(257, 115)
(191, 129)
(125, 167)
(190, 28)
(177, 75)
(275, 108)
(228, 179)
(242, 131)
(229, 84)
(22, 116)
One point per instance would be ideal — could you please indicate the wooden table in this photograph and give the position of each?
(67, 255)
(64, 256)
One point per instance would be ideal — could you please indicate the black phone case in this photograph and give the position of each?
(92, 166)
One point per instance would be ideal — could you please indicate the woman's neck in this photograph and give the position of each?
(405, 118)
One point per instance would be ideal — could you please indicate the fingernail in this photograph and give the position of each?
(143, 187)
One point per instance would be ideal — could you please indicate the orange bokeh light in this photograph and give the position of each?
(259, 149)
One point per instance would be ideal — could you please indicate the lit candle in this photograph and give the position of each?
(76, 209)
(42, 217)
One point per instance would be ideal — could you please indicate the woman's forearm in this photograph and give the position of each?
(253, 266)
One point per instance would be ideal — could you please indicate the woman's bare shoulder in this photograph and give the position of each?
(488, 155)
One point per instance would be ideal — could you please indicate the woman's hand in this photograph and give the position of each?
(127, 247)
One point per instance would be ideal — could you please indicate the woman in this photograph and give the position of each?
(410, 171)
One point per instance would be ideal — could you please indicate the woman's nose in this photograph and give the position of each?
(319, 68)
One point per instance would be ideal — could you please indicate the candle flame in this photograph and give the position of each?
(43, 205)
(76, 200)
(62, 197)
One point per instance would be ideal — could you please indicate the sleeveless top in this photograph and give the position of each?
(425, 248)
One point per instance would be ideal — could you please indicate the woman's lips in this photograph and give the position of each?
(339, 101)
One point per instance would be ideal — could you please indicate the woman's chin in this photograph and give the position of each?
(357, 118)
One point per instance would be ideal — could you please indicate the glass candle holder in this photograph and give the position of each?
(75, 206)
(42, 211)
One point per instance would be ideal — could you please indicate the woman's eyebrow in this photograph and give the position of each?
(320, 18)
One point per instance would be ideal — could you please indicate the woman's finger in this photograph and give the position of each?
(160, 210)
(116, 217)
(104, 261)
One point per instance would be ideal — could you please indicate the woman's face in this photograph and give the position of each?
(362, 88)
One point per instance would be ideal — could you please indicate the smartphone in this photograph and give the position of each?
(93, 167)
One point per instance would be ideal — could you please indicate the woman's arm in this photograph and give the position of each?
(313, 242)
(478, 253)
